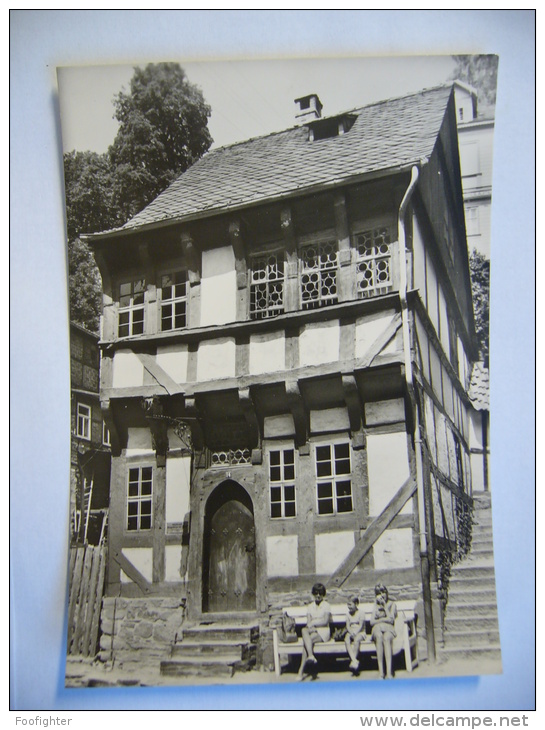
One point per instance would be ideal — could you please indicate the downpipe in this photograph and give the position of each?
(423, 537)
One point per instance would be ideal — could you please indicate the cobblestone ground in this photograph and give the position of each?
(89, 673)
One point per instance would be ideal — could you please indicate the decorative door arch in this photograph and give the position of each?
(229, 559)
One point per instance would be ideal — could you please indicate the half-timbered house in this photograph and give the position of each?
(287, 342)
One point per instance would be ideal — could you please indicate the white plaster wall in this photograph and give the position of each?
(319, 343)
(267, 353)
(278, 426)
(128, 371)
(331, 549)
(444, 322)
(216, 359)
(173, 554)
(431, 287)
(282, 555)
(329, 420)
(142, 559)
(394, 549)
(177, 488)
(388, 469)
(477, 473)
(218, 286)
(369, 329)
(139, 441)
(419, 265)
(173, 360)
(385, 411)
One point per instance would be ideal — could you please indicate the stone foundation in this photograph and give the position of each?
(135, 630)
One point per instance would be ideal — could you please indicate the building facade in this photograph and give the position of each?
(89, 444)
(287, 342)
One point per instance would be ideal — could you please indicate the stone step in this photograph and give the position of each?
(459, 593)
(475, 653)
(199, 667)
(473, 608)
(454, 623)
(206, 647)
(471, 637)
(221, 632)
(473, 569)
(482, 550)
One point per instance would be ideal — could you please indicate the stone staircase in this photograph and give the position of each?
(213, 649)
(471, 628)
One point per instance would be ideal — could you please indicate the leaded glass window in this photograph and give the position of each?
(267, 286)
(373, 262)
(319, 275)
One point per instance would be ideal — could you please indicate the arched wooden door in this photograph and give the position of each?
(229, 564)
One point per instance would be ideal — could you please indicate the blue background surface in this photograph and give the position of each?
(40, 408)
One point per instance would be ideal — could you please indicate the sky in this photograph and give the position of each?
(248, 98)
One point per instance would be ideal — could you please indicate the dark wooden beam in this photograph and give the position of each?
(373, 532)
(298, 411)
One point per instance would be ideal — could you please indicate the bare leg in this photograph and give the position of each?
(379, 643)
(388, 655)
(350, 648)
(308, 650)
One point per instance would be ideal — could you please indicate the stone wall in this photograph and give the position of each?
(138, 629)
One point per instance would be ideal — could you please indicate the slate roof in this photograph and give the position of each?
(391, 134)
(479, 393)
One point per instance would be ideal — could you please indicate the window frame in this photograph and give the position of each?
(106, 436)
(363, 228)
(131, 308)
(334, 478)
(84, 420)
(172, 301)
(139, 498)
(283, 483)
(321, 301)
(269, 311)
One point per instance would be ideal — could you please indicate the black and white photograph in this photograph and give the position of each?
(272, 387)
(279, 363)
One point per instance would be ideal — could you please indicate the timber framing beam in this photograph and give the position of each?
(372, 533)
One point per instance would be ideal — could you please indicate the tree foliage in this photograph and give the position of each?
(479, 267)
(481, 72)
(163, 130)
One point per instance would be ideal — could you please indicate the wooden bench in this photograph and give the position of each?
(406, 639)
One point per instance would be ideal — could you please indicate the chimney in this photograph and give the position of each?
(309, 109)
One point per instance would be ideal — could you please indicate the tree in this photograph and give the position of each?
(481, 72)
(163, 131)
(479, 267)
(84, 285)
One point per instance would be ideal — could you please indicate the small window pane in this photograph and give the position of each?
(275, 474)
(276, 494)
(342, 466)
(290, 509)
(289, 456)
(289, 472)
(324, 490)
(145, 523)
(344, 504)
(325, 507)
(276, 510)
(289, 493)
(133, 508)
(323, 453)
(274, 457)
(147, 472)
(342, 451)
(132, 523)
(323, 469)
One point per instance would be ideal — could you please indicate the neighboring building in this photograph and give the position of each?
(479, 441)
(90, 448)
(475, 134)
(287, 344)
